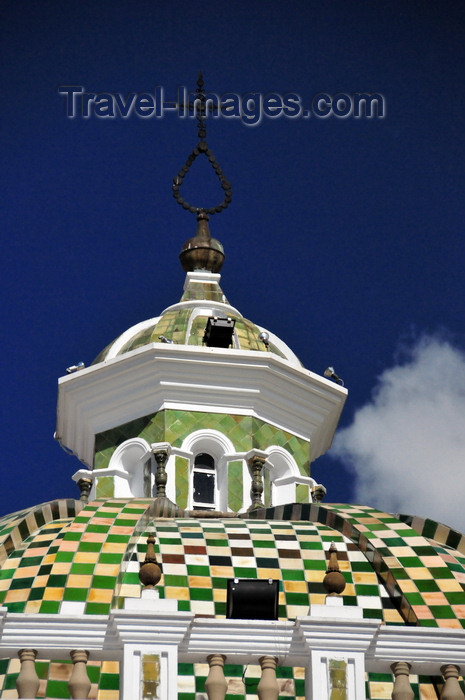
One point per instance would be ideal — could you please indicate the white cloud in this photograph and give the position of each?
(407, 445)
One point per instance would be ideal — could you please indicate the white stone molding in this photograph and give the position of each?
(212, 380)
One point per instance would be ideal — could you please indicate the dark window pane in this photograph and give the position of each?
(204, 461)
(204, 487)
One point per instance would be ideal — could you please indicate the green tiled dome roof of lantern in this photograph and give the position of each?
(184, 323)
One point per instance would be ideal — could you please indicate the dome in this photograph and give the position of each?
(184, 323)
(71, 558)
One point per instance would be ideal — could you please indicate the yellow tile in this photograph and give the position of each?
(41, 551)
(449, 585)
(100, 520)
(422, 612)
(391, 615)
(407, 586)
(53, 593)
(33, 606)
(349, 589)
(69, 545)
(110, 667)
(107, 570)
(200, 581)
(115, 547)
(418, 572)
(78, 581)
(317, 598)
(402, 551)
(435, 598)
(295, 586)
(178, 593)
(219, 595)
(86, 557)
(129, 590)
(94, 537)
(365, 577)
(450, 623)
(314, 576)
(121, 530)
(100, 595)
(26, 571)
(17, 596)
(61, 567)
(381, 691)
(269, 573)
(433, 561)
(391, 562)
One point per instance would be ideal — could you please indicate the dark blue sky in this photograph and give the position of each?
(344, 237)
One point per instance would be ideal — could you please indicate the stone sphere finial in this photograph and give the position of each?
(150, 572)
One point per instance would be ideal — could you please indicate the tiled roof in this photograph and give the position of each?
(56, 559)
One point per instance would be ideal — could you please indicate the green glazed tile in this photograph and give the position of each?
(76, 594)
(104, 581)
(97, 608)
(49, 606)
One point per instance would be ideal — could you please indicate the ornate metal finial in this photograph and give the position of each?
(202, 252)
(150, 572)
(200, 108)
(334, 581)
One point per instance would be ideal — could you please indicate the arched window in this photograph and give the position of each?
(203, 482)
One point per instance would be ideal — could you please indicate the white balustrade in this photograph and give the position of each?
(149, 637)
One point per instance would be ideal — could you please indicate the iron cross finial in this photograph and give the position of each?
(200, 109)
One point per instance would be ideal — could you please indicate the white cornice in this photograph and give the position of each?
(242, 641)
(215, 380)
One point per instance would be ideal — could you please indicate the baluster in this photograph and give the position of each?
(79, 684)
(216, 684)
(451, 689)
(402, 688)
(161, 457)
(27, 683)
(268, 688)
(255, 467)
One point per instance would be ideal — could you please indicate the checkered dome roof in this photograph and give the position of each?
(58, 558)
